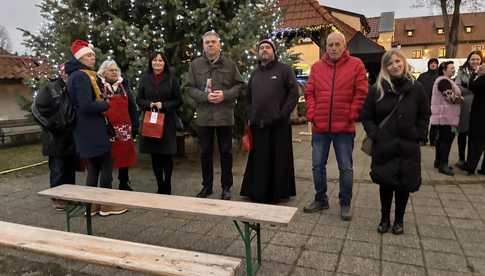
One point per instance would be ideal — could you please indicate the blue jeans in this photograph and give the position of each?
(62, 170)
(343, 144)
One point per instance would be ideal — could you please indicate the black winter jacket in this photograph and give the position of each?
(396, 157)
(477, 113)
(272, 94)
(168, 93)
(427, 81)
(55, 142)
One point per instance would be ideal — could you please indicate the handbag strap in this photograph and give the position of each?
(383, 122)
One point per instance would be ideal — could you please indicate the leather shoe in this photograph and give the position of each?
(461, 165)
(226, 194)
(397, 228)
(445, 169)
(316, 206)
(205, 192)
(481, 171)
(383, 227)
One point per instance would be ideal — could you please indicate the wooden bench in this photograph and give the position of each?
(247, 217)
(115, 253)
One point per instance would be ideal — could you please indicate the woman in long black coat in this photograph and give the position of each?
(476, 130)
(396, 157)
(159, 89)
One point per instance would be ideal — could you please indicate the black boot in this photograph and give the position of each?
(384, 226)
(125, 186)
(398, 228)
(164, 188)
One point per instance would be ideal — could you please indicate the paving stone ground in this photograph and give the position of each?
(444, 223)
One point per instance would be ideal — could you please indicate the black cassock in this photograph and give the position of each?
(270, 173)
(272, 95)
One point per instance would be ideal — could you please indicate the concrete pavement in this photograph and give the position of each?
(444, 223)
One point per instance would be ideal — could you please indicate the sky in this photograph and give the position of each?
(24, 13)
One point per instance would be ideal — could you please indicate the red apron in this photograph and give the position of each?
(122, 144)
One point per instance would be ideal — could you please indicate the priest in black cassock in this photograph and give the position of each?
(272, 96)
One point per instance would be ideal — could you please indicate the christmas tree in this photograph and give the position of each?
(127, 31)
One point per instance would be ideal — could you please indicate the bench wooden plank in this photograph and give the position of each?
(115, 253)
(236, 210)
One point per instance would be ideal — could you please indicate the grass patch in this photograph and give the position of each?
(14, 157)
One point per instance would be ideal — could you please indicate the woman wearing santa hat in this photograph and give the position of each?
(91, 128)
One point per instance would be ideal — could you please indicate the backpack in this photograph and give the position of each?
(60, 113)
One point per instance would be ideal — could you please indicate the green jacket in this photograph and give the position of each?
(226, 77)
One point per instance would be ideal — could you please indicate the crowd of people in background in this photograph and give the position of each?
(93, 116)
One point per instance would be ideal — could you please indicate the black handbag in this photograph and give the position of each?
(367, 142)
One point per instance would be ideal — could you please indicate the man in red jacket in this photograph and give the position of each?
(335, 92)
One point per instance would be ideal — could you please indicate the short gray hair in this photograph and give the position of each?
(104, 66)
(211, 33)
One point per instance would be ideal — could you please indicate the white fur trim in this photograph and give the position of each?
(83, 51)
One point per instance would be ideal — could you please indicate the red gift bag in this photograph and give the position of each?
(247, 139)
(153, 124)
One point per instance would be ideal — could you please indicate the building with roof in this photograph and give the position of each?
(311, 22)
(13, 71)
(382, 29)
(424, 37)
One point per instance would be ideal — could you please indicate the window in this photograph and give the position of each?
(417, 54)
(478, 48)
(442, 52)
(468, 29)
(410, 33)
(440, 31)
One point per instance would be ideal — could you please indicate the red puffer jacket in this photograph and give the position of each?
(335, 93)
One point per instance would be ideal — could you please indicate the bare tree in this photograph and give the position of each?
(450, 10)
(5, 42)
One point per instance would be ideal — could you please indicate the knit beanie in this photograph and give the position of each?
(268, 41)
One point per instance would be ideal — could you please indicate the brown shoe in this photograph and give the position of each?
(59, 204)
(107, 210)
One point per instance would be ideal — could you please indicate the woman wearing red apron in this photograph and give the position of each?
(122, 117)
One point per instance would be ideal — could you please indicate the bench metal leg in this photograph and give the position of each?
(74, 209)
(247, 237)
(87, 214)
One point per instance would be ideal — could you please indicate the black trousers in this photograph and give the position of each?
(123, 176)
(162, 165)
(224, 141)
(462, 139)
(401, 201)
(433, 134)
(100, 168)
(443, 145)
(476, 147)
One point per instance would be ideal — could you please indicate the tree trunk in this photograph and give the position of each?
(324, 32)
(451, 30)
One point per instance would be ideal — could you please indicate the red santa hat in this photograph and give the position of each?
(80, 48)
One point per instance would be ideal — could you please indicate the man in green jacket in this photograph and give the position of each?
(214, 83)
